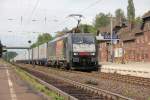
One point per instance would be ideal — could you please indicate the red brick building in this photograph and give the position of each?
(134, 43)
(142, 40)
(105, 41)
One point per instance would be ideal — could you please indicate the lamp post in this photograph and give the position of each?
(29, 51)
(7, 56)
(111, 47)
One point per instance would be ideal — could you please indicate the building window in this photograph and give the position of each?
(143, 39)
(137, 40)
(146, 55)
(148, 25)
(146, 39)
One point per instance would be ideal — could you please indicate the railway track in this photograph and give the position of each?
(75, 89)
(127, 79)
(114, 76)
(135, 80)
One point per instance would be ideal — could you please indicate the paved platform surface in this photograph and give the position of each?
(13, 88)
(135, 69)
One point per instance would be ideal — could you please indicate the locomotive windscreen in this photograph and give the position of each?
(83, 39)
(83, 43)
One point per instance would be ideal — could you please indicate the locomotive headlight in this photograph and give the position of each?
(75, 54)
(92, 54)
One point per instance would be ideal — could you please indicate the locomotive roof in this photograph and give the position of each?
(66, 35)
(85, 34)
(59, 38)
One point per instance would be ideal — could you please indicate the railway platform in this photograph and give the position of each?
(134, 69)
(13, 88)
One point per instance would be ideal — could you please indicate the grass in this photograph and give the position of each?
(91, 82)
(129, 93)
(37, 86)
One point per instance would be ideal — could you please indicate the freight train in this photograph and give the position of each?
(71, 51)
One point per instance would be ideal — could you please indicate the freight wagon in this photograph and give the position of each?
(35, 55)
(43, 54)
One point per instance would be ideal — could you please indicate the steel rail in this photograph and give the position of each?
(51, 87)
(103, 93)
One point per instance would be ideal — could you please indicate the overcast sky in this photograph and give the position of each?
(13, 33)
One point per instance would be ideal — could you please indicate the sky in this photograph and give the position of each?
(16, 32)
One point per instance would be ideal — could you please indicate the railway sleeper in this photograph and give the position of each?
(102, 95)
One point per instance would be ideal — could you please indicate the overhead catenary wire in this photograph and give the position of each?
(37, 4)
(34, 9)
(84, 9)
(91, 5)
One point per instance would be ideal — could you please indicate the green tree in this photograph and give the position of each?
(85, 28)
(119, 13)
(131, 11)
(60, 33)
(101, 20)
(9, 55)
(45, 37)
(40, 39)
(65, 30)
(34, 45)
(138, 20)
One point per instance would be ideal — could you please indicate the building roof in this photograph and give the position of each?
(130, 32)
(116, 24)
(146, 15)
(127, 33)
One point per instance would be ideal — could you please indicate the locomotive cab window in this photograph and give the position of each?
(83, 39)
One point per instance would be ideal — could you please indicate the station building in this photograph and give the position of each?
(132, 44)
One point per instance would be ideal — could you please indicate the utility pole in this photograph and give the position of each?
(21, 19)
(45, 19)
(7, 56)
(29, 51)
(111, 47)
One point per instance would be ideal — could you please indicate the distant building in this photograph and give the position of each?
(133, 44)
(136, 41)
(104, 39)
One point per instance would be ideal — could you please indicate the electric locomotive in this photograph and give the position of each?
(75, 51)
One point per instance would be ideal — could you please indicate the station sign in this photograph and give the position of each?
(107, 36)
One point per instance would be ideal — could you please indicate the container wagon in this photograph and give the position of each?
(43, 54)
(35, 55)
